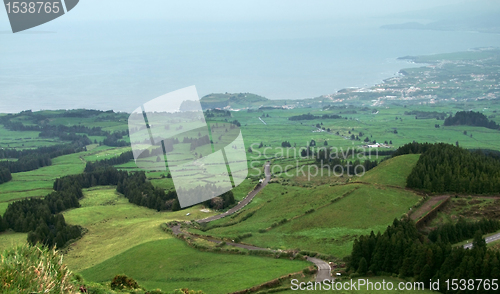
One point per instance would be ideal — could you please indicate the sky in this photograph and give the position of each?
(244, 10)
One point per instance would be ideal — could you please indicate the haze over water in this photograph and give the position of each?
(120, 65)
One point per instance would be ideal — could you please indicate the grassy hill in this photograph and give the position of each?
(393, 171)
(239, 100)
(39, 182)
(323, 218)
(114, 226)
(170, 264)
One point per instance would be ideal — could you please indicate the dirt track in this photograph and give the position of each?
(427, 206)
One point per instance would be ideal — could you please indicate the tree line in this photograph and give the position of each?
(217, 113)
(411, 148)
(309, 116)
(463, 230)
(134, 186)
(139, 191)
(401, 250)
(447, 168)
(120, 159)
(77, 134)
(221, 202)
(471, 118)
(115, 139)
(46, 128)
(32, 159)
(41, 218)
(75, 139)
(53, 151)
(426, 114)
(5, 175)
(196, 142)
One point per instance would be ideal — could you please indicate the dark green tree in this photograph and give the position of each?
(363, 266)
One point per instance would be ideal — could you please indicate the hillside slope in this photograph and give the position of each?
(392, 172)
(323, 218)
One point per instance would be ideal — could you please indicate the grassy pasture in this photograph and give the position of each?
(332, 229)
(23, 140)
(124, 238)
(329, 229)
(170, 264)
(114, 226)
(11, 239)
(378, 127)
(392, 172)
(105, 152)
(38, 183)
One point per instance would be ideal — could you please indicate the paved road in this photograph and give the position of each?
(324, 272)
(246, 200)
(488, 240)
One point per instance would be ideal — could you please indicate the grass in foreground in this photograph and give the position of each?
(170, 264)
(30, 269)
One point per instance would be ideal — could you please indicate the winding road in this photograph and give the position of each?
(324, 271)
(488, 240)
(246, 200)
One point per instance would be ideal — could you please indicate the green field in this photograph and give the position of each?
(170, 264)
(119, 231)
(313, 221)
(39, 182)
(22, 140)
(114, 226)
(392, 172)
(11, 239)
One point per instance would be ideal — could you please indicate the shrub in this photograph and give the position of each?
(310, 270)
(187, 291)
(121, 282)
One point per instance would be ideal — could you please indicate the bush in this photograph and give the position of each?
(121, 282)
(187, 291)
(33, 269)
(310, 270)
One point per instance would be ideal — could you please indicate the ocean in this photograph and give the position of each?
(122, 64)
